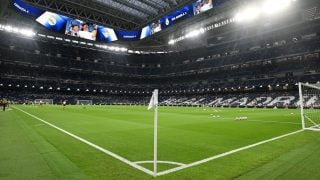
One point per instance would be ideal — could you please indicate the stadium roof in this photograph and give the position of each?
(120, 14)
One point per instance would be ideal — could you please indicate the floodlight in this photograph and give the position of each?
(117, 49)
(27, 32)
(8, 28)
(171, 42)
(275, 6)
(15, 30)
(193, 34)
(248, 14)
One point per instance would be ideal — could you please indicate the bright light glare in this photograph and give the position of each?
(275, 6)
(8, 28)
(248, 14)
(124, 49)
(171, 42)
(27, 32)
(117, 49)
(15, 30)
(194, 33)
(268, 7)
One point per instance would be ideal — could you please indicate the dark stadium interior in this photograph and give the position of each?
(271, 56)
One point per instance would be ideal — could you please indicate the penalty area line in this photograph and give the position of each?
(225, 154)
(124, 160)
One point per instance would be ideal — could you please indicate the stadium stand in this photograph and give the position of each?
(236, 62)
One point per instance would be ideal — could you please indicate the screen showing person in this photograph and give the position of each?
(155, 27)
(202, 6)
(88, 31)
(73, 28)
(81, 29)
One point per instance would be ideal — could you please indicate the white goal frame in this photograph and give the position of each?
(88, 102)
(305, 118)
(44, 101)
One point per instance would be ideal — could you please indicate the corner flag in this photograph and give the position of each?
(154, 100)
(154, 105)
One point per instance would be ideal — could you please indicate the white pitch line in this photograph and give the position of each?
(225, 154)
(161, 162)
(279, 122)
(132, 164)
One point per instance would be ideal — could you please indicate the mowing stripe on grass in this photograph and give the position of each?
(226, 154)
(132, 164)
(147, 171)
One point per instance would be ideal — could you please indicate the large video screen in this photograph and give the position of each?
(67, 25)
(95, 32)
(186, 12)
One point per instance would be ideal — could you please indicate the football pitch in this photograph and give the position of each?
(116, 142)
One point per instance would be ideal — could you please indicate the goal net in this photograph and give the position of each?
(310, 106)
(84, 102)
(43, 101)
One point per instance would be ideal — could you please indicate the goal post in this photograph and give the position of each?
(43, 101)
(84, 102)
(310, 106)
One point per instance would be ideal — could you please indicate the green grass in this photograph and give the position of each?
(29, 149)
